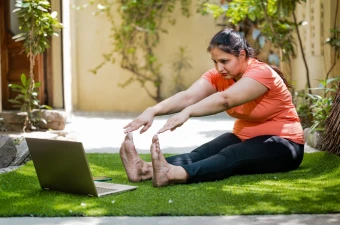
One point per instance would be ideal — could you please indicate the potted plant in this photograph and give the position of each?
(37, 25)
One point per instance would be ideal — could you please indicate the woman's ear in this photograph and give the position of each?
(242, 55)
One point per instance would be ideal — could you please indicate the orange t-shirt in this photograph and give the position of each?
(273, 113)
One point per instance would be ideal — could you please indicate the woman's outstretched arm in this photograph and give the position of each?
(176, 103)
(245, 90)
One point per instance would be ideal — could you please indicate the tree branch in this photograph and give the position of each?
(302, 53)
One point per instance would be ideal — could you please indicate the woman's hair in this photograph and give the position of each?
(232, 42)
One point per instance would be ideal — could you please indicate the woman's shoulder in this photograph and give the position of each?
(259, 67)
(211, 72)
(262, 73)
(211, 75)
(214, 77)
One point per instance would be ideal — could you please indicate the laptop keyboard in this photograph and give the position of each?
(101, 190)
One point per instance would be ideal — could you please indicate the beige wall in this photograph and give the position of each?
(320, 17)
(101, 93)
(89, 40)
(194, 34)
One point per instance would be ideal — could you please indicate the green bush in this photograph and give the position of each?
(321, 103)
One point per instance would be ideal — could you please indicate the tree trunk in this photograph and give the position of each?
(331, 139)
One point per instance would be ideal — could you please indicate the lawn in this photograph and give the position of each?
(313, 188)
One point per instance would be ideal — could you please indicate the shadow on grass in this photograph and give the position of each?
(312, 188)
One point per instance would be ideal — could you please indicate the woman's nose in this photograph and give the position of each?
(220, 67)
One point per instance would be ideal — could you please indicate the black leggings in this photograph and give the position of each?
(227, 155)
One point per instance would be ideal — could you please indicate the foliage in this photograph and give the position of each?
(136, 37)
(331, 138)
(37, 25)
(27, 99)
(334, 41)
(321, 103)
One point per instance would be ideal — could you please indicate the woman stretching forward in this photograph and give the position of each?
(267, 136)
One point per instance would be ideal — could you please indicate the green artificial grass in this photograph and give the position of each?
(313, 188)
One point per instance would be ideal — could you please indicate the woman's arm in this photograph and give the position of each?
(245, 90)
(176, 103)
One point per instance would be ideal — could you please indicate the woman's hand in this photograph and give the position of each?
(145, 119)
(175, 121)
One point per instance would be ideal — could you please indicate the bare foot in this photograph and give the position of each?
(161, 167)
(136, 169)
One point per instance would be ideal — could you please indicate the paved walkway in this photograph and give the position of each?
(329, 219)
(103, 132)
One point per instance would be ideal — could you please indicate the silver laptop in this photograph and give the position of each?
(62, 166)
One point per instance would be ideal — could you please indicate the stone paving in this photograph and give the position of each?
(326, 219)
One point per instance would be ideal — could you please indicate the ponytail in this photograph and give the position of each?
(278, 71)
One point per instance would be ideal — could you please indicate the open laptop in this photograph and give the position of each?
(62, 166)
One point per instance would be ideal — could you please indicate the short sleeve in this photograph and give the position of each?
(218, 82)
(262, 73)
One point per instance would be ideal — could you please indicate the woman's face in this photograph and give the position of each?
(228, 65)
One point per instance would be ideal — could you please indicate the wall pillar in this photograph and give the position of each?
(69, 58)
(57, 64)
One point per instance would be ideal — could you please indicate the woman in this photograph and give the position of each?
(267, 136)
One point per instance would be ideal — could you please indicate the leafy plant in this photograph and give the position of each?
(37, 25)
(321, 103)
(27, 99)
(136, 37)
(331, 138)
(334, 41)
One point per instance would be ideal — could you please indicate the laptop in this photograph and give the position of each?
(62, 166)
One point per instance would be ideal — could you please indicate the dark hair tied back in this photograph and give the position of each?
(232, 42)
